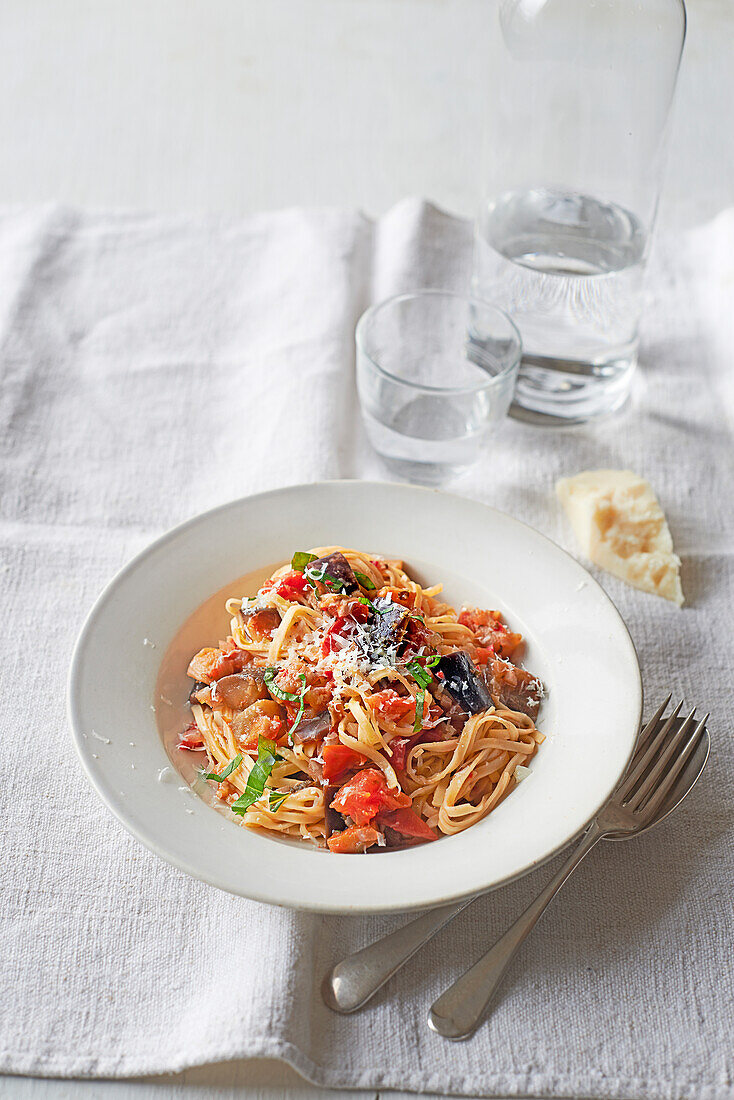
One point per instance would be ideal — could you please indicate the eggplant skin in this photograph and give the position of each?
(337, 568)
(310, 729)
(241, 689)
(388, 626)
(463, 682)
(525, 693)
(198, 686)
(334, 821)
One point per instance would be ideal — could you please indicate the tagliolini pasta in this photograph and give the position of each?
(350, 707)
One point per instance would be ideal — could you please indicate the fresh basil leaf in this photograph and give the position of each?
(365, 581)
(420, 703)
(301, 705)
(300, 560)
(278, 692)
(277, 798)
(334, 583)
(287, 696)
(258, 777)
(227, 771)
(420, 674)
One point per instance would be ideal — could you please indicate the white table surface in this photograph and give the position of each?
(241, 105)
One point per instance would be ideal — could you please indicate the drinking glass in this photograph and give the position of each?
(435, 372)
(577, 116)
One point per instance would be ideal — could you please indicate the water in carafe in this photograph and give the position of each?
(568, 268)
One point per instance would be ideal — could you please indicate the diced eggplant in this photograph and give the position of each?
(255, 721)
(334, 572)
(462, 680)
(303, 785)
(241, 689)
(396, 842)
(513, 687)
(388, 626)
(261, 622)
(335, 823)
(316, 771)
(455, 716)
(198, 686)
(310, 729)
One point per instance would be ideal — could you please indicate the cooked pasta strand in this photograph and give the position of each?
(336, 669)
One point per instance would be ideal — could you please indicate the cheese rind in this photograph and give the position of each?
(620, 526)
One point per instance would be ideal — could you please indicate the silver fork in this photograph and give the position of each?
(655, 767)
(353, 981)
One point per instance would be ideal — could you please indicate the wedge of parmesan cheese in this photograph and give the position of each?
(620, 526)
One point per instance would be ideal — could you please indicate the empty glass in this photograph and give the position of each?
(435, 371)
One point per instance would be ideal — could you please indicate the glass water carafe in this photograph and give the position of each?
(577, 113)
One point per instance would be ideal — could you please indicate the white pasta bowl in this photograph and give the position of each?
(124, 718)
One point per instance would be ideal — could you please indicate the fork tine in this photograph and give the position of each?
(642, 762)
(664, 755)
(691, 745)
(649, 730)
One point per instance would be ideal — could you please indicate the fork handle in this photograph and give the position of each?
(458, 1012)
(354, 980)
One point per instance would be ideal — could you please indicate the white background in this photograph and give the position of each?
(234, 106)
(242, 105)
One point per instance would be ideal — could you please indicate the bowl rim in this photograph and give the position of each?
(213, 878)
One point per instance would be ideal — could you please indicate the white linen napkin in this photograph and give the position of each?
(153, 367)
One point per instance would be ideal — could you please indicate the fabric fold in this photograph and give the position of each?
(155, 367)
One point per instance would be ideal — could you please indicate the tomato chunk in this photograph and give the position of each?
(357, 838)
(401, 596)
(491, 632)
(337, 758)
(505, 643)
(408, 824)
(363, 796)
(389, 704)
(341, 607)
(475, 617)
(341, 628)
(201, 665)
(291, 585)
(401, 746)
